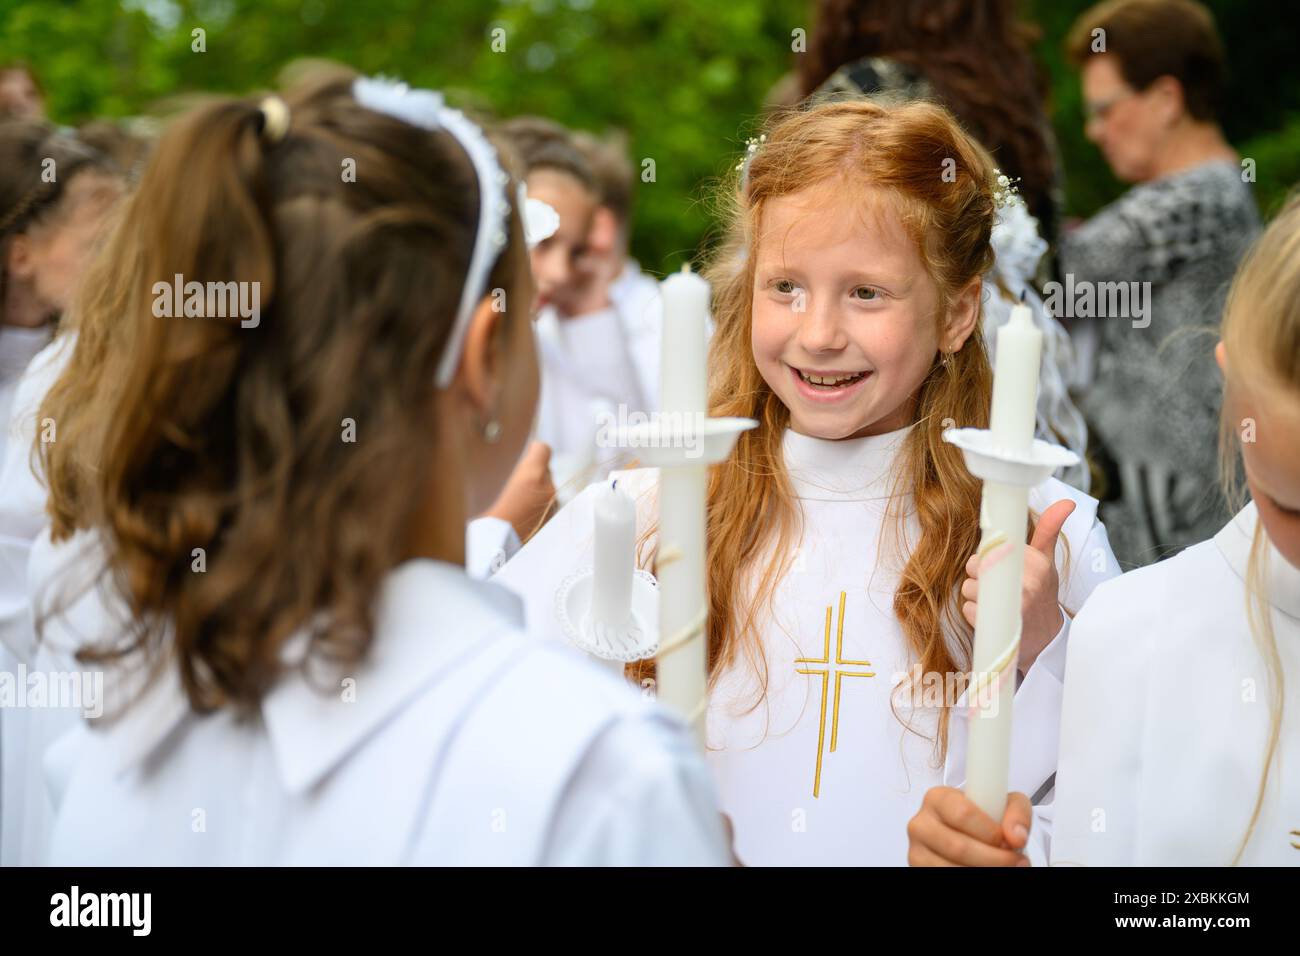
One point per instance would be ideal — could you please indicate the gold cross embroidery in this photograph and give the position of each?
(825, 675)
(1294, 843)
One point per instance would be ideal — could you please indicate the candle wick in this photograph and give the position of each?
(614, 486)
(1022, 294)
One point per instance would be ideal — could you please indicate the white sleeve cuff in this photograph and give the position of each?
(489, 543)
(1039, 846)
(1035, 726)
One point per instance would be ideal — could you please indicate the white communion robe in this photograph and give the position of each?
(584, 360)
(62, 582)
(22, 521)
(18, 346)
(460, 746)
(591, 366)
(456, 741)
(820, 770)
(1166, 716)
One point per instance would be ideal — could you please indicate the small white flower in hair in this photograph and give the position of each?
(751, 147)
(1006, 194)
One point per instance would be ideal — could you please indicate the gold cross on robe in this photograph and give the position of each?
(825, 673)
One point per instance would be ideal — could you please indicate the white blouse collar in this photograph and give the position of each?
(1234, 542)
(18, 346)
(430, 617)
(850, 469)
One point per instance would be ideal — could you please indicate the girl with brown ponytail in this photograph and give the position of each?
(305, 673)
(841, 530)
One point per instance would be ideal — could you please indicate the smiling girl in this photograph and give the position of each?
(848, 305)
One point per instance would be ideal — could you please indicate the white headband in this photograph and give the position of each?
(426, 109)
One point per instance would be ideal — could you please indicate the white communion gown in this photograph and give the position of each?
(819, 769)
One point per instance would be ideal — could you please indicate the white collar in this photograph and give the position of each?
(850, 469)
(430, 617)
(1234, 542)
(18, 346)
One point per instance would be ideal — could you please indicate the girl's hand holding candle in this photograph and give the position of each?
(950, 830)
(1040, 604)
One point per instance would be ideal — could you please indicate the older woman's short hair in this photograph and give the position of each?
(1155, 38)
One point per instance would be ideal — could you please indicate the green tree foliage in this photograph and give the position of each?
(684, 78)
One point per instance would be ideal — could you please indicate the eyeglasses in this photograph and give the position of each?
(1099, 110)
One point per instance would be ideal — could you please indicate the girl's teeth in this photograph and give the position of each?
(830, 379)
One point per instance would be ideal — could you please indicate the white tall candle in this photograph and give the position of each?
(1015, 382)
(683, 377)
(1004, 514)
(614, 559)
(681, 671)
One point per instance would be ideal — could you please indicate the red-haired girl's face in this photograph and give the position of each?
(844, 328)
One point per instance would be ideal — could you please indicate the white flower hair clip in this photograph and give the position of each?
(751, 148)
(1005, 192)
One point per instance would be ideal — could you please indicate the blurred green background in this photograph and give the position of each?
(684, 78)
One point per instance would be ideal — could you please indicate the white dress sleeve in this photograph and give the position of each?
(656, 808)
(489, 543)
(22, 498)
(1084, 564)
(1101, 734)
(1039, 846)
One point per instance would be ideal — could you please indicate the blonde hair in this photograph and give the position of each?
(903, 151)
(1261, 333)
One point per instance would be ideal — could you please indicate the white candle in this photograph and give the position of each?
(614, 560)
(1004, 513)
(683, 377)
(1015, 381)
(681, 671)
(682, 675)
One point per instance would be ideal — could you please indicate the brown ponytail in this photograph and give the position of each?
(217, 442)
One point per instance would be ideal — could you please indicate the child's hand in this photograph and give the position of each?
(1040, 604)
(949, 830)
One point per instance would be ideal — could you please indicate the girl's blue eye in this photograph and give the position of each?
(873, 293)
